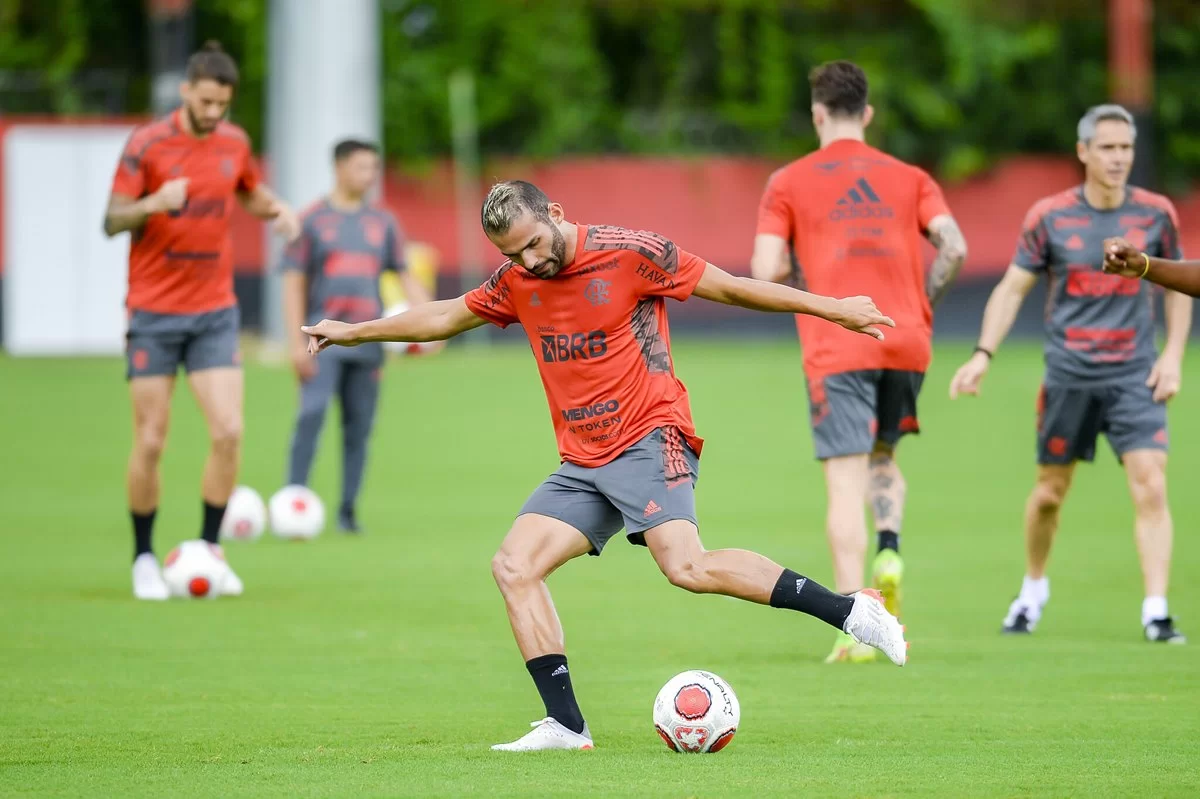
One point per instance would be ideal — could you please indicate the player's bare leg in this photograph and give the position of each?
(886, 492)
(846, 481)
(533, 549)
(739, 573)
(218, 392)
(1041, 523)
(1146, 472)
(151, 400)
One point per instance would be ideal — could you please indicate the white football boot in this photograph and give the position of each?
(869, 623)
(147, 578)
(548, 734)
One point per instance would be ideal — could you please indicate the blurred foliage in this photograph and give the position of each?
(957, 84)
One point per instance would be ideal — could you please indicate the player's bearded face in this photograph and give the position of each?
(1109, 155)
(535, 244)
(206, 103)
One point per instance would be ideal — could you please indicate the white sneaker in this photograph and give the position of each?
(869, 623)
(548, 734)
(147, 578)
(1023, 616)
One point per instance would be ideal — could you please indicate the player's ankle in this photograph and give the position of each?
(795, 592)
(889, 539)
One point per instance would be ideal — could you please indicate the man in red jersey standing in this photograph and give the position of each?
(174, 190)
(592, 301)
(853, 220)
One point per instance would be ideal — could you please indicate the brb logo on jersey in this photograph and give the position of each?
(860, 202)
(562, 347)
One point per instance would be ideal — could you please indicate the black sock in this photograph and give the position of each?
(213, 514)
(553, 681)
(796, 592)
(143, 529)
(889, 540)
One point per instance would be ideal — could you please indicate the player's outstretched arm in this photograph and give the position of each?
(432, 321)
(943, 232)
(998, 317)
(1122, 258)
(853, 313)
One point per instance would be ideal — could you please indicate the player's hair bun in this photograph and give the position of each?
(212, 46)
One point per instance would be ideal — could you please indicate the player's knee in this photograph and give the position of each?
(510, 571)
(227, 436)
(1150, 490)
(150, 441)
(688, 574)
(1049, 494)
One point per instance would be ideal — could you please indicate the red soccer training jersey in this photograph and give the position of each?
(854, 218)
(599, 332)
(182, 262)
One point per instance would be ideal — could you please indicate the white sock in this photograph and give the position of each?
(1036, 591)
(1153, 608)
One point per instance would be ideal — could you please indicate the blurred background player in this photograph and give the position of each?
(1102, 374)
(332, 270)
(852, 219)
(1122, 258)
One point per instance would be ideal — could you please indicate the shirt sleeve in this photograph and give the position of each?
(130, 177)
(493, 300)
(775, 216)
(1169, 246)
(659, 281)
(393, 258)
(931, 203)
(1033, 247)
(296, 256)
(248, 178)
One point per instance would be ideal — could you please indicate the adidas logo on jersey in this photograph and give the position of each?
(860, 202)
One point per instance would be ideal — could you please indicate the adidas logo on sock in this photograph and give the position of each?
(651, 509)
(560, 671)
(800, 583)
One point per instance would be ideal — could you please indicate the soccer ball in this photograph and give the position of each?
(245, 515)
(406, 347)
(195, 569)
(296, 513)
(696, 711)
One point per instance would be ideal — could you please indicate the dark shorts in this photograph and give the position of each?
(650, 483)
(1071, 418)
(157, 344)
(851, 411)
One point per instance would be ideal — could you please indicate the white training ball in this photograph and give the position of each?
(296, 513)
(696, 711)
(195, 569)
(245, 515)
(406, 347)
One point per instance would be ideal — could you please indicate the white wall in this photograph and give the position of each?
(64, 281)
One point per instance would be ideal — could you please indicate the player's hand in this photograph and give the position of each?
(303, 362)
(1122, 258)
(1165, 378)
(860, 315)
(172, 195)
(287, 224)
(968, 377)
(328, 332)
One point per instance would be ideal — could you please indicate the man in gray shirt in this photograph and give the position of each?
(332, 270)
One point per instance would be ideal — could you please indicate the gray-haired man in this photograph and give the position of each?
(1103, 374)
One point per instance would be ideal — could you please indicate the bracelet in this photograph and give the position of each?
(986, 352)
(1145, 271)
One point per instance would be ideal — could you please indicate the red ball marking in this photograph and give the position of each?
(242, 528)
(666, 738)
(692, 702)
(198, 586)
(691, 739)
(172, 556)
(722, 740)
(299, 505)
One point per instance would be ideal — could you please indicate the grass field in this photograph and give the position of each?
(384, 666)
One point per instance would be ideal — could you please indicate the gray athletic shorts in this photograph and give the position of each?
(650, 483)
(156, 343)
(1071, 418)
(851, 411)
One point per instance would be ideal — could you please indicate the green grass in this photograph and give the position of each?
(384, 666)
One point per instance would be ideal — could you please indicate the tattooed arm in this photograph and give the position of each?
(944, 233)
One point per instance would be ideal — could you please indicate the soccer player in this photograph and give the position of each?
(1122, 258)
(591, 299)
(174, 190)
(1102, 372)
(333, 270)
(852, 219)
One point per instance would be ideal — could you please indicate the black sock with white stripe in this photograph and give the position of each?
(797, 592)
(553, 681)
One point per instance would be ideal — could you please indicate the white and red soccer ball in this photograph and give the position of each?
(296, 513)
(245, 516)
(696, 711)
(195, 569)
